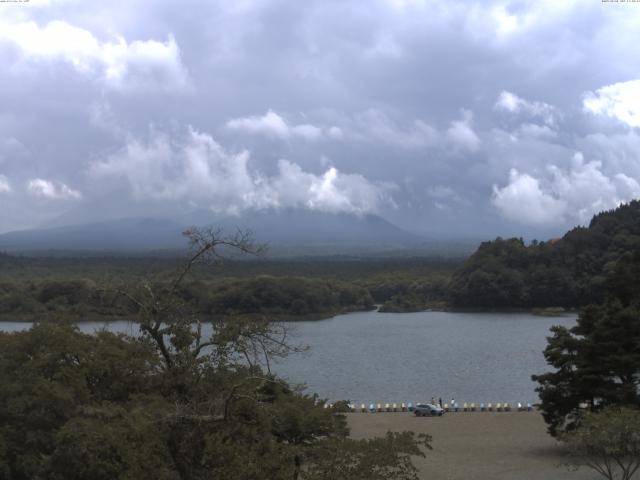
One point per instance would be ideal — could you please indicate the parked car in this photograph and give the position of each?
(427, 409)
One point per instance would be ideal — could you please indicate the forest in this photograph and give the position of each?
(281, 289)
(568, 272)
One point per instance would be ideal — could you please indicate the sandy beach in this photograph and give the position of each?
(478, 446)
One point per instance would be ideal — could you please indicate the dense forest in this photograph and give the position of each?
(568, 272)
(276, 297)
(89, 288)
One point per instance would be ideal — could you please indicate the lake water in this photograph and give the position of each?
(388, 357)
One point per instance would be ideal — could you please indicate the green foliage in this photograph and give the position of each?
(607, 442)
(76, 406)
(83, 288)
(171, 404)
(375, 459)
(406, 291)
(568, 272)
(287, 297)
(49, 374)
(597, 362)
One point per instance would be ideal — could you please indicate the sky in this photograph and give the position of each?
(477, 118)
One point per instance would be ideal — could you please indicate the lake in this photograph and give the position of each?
(389, 357)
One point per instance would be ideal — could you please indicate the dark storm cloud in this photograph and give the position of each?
(477, 118)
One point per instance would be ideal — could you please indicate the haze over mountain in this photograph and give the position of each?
(280, 228)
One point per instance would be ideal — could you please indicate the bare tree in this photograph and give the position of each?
(177, 330)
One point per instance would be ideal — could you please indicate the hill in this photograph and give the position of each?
(568, 272)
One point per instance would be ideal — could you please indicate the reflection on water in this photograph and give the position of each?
(389, 357)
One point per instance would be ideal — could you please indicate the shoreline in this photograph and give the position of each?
(6, 318)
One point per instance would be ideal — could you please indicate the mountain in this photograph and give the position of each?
(569, 272)
(282, 229)
(305, 227)
(131, 234)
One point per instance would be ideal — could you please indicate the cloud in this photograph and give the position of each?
(619, 100)
(441, 191)
(533, 130)
(461, 132)
(11, 149)
(275, 126)
(118, 63)
(505, 22)
(573, 194)
(199, 170)
(524, 200)
(374, 124)
(512, 103)
(5, 186)
(40, 187)
(370, 125)
(331, 191)
(385, 46)
(387, 78)
(444, 197)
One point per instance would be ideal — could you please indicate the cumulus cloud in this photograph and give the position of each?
(512, 103)
(200, 170)
(386, 77)
(461, 132)
(620, 101)
(571, 194)
(40, 187)
(274, 125)
(5, 186)
(118, 63)
(505, 22)
(524, 200)
(535, 131)
(331, 191)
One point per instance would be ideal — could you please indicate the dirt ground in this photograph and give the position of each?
(478, 446)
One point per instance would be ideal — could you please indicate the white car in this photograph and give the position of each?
(428, 409)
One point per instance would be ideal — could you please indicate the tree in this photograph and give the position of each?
(564, 272)
(56, 381)
(596, 363)
(173, 403)
(607, 442)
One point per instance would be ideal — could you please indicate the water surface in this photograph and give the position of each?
(390, 357)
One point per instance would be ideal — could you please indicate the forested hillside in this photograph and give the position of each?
(568, 272)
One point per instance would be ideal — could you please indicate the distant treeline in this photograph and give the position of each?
(278, 297)
(275, 297)
(87, 288)
(569, 272)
